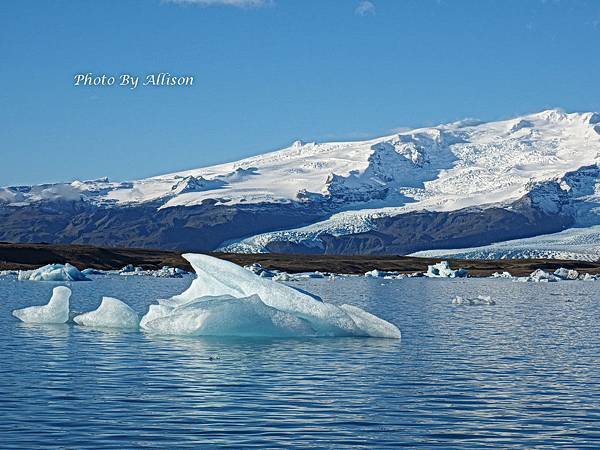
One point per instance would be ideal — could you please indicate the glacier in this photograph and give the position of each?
(227, 299)
(581, 244)
(55, 311)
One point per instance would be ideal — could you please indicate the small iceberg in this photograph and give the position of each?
(502, 275)
(284, 276)
(258, 269)
(55, 311)
(53, 272)
(383, 274)
(541, 276)
(443, 270)
(8, 273)
(91, 271)
(477, 301)
(164, 272)
(566, 274)
(112, 313)
(228, 300)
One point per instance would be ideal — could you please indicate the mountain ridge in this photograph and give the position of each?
(401, 193)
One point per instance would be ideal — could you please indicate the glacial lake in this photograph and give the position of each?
(524, 373)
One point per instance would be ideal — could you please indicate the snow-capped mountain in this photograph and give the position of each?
(461, 184)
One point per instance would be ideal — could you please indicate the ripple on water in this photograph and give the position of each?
(523, 373)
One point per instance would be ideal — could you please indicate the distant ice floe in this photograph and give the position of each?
(477, 301)
(112, 313)
(55, 311)
(443, 270)
(53, 272)
(226, 299)
(278, 275)
(560, 274)
(501, 275)
(94, 272)
(164, 272)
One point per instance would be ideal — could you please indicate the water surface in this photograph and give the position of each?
(524, 373)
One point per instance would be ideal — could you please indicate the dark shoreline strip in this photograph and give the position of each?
(30, 256)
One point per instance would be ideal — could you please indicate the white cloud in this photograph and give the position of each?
(365, 8)
(236, 3)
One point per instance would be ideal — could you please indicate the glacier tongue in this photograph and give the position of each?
(226, 299)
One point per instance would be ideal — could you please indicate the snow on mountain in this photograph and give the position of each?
(575, 243)
(551, 155)
(438, 168)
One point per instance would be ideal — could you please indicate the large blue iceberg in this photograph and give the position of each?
(226, 299)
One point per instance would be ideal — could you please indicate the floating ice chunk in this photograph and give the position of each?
(168, 272)
(477, 301)
(501, 275)
(540, 275)
(53, 272)
(315, 274)
(284, 276)
(8, 273)
(93, 272)
(373, 273)
(389, 275)
(566, 274)
(130, 269)
(484, 300)
(458, 300)
(274, 309)
(443, 270)
(112, 313)
(55, 311)
(259, 270)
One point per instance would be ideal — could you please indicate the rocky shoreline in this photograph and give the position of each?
(31, 256)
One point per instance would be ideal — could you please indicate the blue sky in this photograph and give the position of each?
(269, 72)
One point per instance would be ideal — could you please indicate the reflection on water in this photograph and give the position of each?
(522, 374)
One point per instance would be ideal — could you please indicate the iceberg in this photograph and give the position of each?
(477, 301)
(542, 276)
(53, 272)
(443, 270)
(224, 316)
(8, 273)
(502, 275)
(91, 271)
(226, 299)
(55, 311)
(284, 276)
(566, 274)
(112, 313)
(384, 274)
